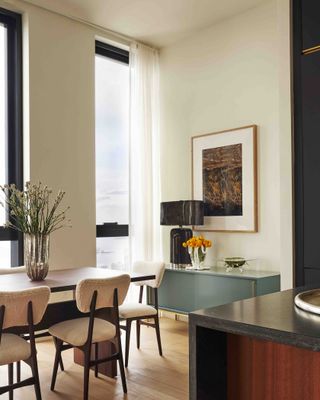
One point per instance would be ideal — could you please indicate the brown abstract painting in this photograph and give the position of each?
(222, 180)
(224, 176)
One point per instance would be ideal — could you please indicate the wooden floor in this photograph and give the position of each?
(149, 376)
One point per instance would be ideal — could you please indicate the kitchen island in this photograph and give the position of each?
(260, 348)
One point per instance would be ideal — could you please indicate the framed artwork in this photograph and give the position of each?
(224, 176)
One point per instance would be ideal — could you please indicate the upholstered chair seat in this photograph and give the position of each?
(13, 348)
(135, 310)
(75, 331)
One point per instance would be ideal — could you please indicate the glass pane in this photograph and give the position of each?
(5, 254)
(3, 113)
(113, 253)
(112, 141)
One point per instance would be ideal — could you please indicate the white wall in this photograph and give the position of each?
(59, 123)
(233, 74)
(224, 77)
(61, 82)
(285, 144)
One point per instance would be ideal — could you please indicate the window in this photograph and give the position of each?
(112, 155)
(11, 251)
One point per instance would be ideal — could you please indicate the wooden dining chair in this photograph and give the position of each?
(96, 297)
(141, 312)
(19, 309)
(17, 270)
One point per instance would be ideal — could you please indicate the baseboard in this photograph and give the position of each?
(174, 315)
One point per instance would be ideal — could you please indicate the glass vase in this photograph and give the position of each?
(197, 256)
(36, 256)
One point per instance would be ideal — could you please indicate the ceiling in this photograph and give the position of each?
(155, 22)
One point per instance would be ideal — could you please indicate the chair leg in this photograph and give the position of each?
(121, 366)
(156, 321)
(128, 331)
(10, 380)
(60, 360)
(86, 373)
(58, 344)
(138, 333)
(96, 355)
(35, 373)
(61, 363)
(18, 371)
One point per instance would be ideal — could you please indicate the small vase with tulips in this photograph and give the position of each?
(197, 248)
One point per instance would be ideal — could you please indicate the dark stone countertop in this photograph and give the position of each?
(271, 317)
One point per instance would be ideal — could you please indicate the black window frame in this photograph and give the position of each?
(13, 23)
(106, 50)
(112, 229)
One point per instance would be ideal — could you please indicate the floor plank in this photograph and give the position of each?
(149, 376)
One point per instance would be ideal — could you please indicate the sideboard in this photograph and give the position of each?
(183, 291)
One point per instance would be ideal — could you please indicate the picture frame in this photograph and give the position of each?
(224, 176)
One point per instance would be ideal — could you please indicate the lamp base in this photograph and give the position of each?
(178, 254)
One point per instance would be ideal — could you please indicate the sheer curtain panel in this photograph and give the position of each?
(144, 154)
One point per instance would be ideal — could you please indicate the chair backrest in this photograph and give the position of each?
(105, 290)
(13, 270)
(16, 305)
(150, 267)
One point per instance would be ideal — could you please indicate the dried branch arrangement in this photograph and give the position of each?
(32, 211)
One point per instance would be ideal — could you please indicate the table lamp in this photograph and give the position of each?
(182, 212)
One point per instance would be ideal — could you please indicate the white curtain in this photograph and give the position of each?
(144, 154)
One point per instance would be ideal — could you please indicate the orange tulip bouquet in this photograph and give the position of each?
(197, 248)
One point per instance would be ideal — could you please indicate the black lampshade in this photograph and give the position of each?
(182, 212)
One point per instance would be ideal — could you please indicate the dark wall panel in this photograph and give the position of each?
(311, 276)
(310, 109)
(306, 96)
(310, 10)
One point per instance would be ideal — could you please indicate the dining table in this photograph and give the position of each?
(64, 280)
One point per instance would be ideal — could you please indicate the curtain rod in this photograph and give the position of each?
(125, 38)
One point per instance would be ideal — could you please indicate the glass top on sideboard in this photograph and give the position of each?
(221, 271)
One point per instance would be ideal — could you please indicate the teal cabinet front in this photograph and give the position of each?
(185, 291)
